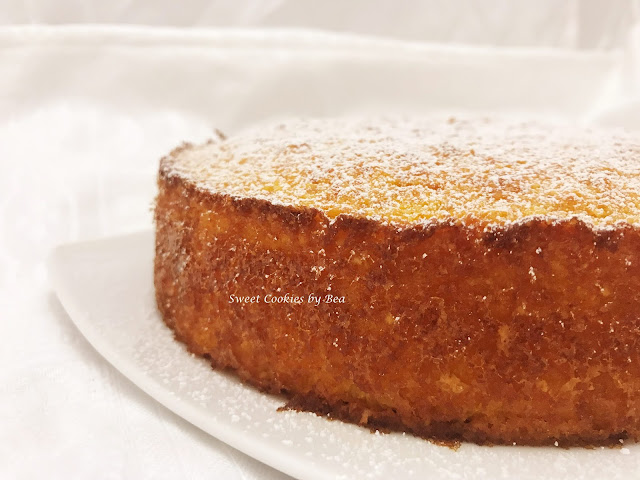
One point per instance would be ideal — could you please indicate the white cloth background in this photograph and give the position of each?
(87, 111)
(583, 24)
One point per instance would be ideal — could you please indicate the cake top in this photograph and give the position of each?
(421, 170)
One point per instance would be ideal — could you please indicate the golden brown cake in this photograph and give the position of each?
(478, 279)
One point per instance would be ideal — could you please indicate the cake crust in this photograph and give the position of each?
(451, 328)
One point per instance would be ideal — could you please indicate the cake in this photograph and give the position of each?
(462, 279)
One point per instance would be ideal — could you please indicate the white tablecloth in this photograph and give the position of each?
(85, 115)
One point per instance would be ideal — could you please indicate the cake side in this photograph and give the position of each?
(473, 330)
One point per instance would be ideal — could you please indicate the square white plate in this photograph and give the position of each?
(106, 286)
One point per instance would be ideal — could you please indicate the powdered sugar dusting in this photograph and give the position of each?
(415, 170)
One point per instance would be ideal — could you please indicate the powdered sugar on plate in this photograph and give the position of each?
(107, 288)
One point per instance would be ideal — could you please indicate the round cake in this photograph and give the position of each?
(457, 278)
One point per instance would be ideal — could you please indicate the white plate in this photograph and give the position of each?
(106, 287)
